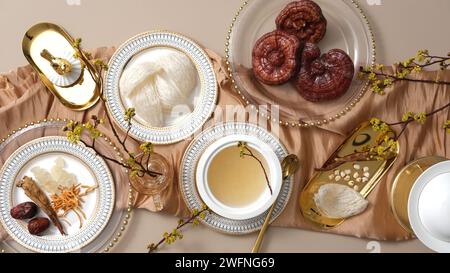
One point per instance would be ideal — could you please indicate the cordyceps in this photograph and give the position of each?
(71, 199)
(35, 193)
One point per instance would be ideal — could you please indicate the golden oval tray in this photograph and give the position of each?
(361, 135)
(82, 94)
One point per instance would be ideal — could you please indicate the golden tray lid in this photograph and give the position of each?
(63, 69)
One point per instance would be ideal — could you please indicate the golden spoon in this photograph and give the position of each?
(289, 166)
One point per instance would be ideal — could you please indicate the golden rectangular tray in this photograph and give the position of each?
(362, 135)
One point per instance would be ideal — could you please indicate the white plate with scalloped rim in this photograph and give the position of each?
(183, 123)
(89, 170)
(188, 171)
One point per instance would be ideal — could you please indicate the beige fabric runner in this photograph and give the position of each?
(23, 99)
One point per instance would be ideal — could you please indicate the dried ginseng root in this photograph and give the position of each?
(35, 193)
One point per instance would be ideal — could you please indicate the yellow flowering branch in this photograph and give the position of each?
(420, 118)
(388, 147)
(407, 119)
(384, 149)
(379, 79)
(75, 129)
(176, 234)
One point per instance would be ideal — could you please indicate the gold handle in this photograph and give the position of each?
(47, 55)
(264, 227)
(61, 66)
(289, 166)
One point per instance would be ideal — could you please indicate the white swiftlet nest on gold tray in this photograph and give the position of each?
(338, 201)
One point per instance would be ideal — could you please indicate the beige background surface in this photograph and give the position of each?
(401, 27)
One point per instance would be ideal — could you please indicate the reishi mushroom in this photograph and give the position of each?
(274, 57)
(323, 77)
(303, 19)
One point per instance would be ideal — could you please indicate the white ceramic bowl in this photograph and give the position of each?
(263, 202)
(429, 207)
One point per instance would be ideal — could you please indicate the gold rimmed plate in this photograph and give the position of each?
(89, 170)
(348, 29)
(77, 160)
(183, 120)
(246, 221)
(403, 184)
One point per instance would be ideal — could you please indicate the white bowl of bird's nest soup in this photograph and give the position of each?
(236, 187)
